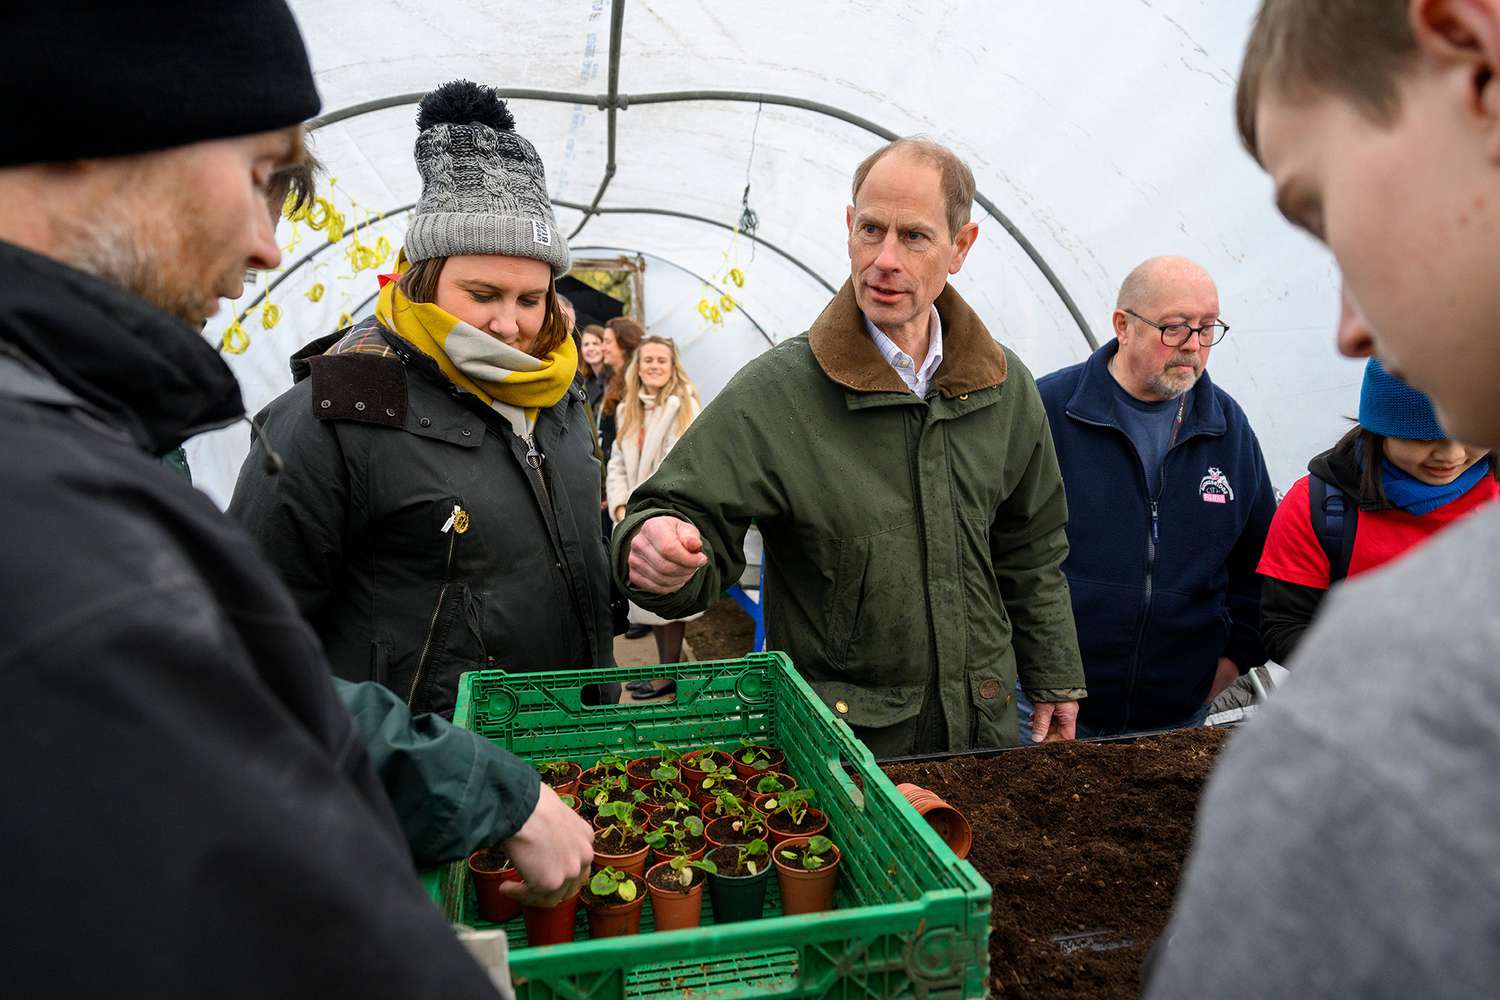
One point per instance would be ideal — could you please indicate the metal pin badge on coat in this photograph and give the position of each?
(458, 521)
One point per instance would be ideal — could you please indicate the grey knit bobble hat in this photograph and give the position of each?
(483, 187)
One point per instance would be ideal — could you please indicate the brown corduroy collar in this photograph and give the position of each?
(971, 358)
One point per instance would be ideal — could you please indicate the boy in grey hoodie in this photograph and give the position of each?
(1349, 843)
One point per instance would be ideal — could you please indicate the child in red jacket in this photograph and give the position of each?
(1351, 514)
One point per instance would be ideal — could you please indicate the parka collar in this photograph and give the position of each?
(132, 364)
(1094, 398)
(971, 358)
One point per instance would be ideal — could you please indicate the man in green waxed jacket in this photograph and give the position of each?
(899, 465)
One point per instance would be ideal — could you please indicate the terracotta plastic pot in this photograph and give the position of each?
(776, 762)
(659, 856)
(777, 836)
(950, 824)
(736, 898)
(804, 891)
(568, 786)
(493, 906)
(688, 765)
(615, 919)
(550, 924)
(675, 910)
(633, 863)
(639, 771)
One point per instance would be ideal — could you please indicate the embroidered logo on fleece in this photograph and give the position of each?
(1214, 487)
(541, 233)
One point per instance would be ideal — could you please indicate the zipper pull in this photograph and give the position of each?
(1155, 509)
(534, 458)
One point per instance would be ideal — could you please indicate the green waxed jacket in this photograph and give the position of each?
(912, 546)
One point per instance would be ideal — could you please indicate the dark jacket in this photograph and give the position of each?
(913, 544)
(1158, 597)
(380, 449)
(192, 811)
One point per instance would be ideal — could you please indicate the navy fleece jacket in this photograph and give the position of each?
(1164, 586)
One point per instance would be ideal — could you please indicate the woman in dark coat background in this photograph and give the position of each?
(437, 510)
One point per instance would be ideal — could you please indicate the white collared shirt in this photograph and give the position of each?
(916, 380)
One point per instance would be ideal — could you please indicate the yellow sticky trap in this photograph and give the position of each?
(235, 340)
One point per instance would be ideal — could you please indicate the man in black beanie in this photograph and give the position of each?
(191, 810)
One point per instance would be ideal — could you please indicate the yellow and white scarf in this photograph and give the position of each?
(512, 382)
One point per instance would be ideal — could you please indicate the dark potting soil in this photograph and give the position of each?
(610, 843)
(491, 859)
(722, 830)
(1083, 844)
(813, 820)
(728, 861)
(666, 879)
(768, 758)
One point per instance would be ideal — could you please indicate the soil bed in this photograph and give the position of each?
(724, 632)
(1083, 844)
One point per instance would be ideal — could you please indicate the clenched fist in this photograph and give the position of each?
(664, 555)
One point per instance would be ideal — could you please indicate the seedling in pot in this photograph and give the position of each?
(669, 756)
(771, 782)
(817, 852)
(609, 882)
(675, 805)
(675, 837)
(753, 856)
(753, 755)
(622, 826)
(556, 772)
(709, 757)
(716, 775)
(665, 772)
(729, 804)
(615, 788)
(613, 762)
(684, 865)
(791, 804)
(672, 837)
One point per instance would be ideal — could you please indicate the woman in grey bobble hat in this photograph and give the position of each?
(439, 507)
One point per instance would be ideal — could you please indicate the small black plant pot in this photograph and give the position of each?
(736, 897)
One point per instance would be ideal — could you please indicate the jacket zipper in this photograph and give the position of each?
(437, 608)
(1153, 538)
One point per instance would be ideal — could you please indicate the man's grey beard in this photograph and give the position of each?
(1168, 388)
(115, 251)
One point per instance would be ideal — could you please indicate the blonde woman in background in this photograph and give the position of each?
(656, 407)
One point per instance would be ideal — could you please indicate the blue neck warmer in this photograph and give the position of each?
(1410, 494)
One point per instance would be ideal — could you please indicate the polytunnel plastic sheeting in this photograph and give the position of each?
(1103, 131)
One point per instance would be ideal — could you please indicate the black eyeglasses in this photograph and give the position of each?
(1177, 334)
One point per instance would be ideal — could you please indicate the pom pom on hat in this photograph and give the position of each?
(463, 102)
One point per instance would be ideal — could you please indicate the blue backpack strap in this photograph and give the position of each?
(1333, 521)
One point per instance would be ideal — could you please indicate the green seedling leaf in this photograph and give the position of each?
(789, 855)
(819, 844)
(657, 839)
(665, 773)
(770, 783)
(751, 866)
(626, 890)
(693, 825)
(603, 883)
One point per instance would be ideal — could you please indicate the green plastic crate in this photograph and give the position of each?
(911, 920)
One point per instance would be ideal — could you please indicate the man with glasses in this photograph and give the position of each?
(1168, 501)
